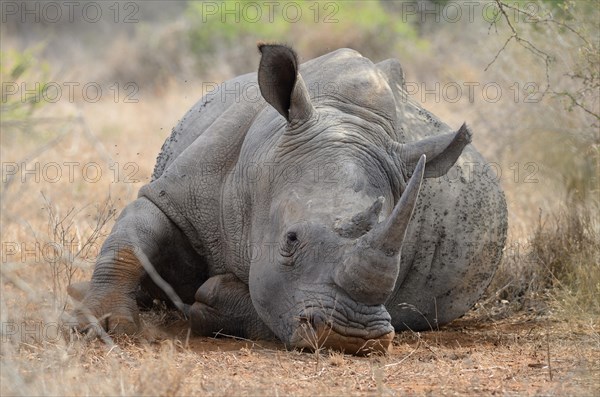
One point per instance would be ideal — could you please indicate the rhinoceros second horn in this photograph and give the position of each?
(370, 271)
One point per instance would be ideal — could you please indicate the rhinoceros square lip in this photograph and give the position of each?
(314, 339)
(337, 322)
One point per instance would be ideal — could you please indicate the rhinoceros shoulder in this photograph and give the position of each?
(203, 114)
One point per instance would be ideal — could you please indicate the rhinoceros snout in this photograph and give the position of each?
(316, 331)
(311, 338)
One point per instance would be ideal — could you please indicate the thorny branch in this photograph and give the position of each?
(528, 45)
(65, 237)
(590, 81)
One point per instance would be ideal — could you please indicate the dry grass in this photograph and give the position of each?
(523, 355)
(497, 349)
(567, 247)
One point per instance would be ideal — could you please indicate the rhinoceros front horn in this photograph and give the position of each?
(370, 271)
(389, 235)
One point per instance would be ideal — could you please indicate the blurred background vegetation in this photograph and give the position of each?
(542, 130)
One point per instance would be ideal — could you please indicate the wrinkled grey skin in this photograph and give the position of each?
(291, 216)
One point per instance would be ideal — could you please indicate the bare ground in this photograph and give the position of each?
(476, 355)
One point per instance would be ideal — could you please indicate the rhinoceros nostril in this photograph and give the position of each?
(311, 321)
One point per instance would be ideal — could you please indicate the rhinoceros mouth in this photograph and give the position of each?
(326, 338)
(331, 328)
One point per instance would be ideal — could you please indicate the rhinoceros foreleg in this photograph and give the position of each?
(223, 305)
(109, 300)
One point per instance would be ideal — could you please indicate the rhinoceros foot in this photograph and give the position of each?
(98, 311)
(223, 306)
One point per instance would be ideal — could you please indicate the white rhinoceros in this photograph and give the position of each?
(281, 203)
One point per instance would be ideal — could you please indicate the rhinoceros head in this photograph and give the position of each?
(332, 220)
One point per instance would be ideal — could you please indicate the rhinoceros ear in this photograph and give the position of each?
(281, 85)
(442, 151)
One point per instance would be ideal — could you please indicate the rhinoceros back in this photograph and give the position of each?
(455, 241)
(199, 118)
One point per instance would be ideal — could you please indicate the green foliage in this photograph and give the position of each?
(17, 68)
(219, 26)
(216, 27)
(369, 16)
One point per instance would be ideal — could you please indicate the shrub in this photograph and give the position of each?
(226, 32)
(17, 67)
(567, 249)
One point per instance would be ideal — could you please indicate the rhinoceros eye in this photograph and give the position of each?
(292, 237)
(288, 247)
